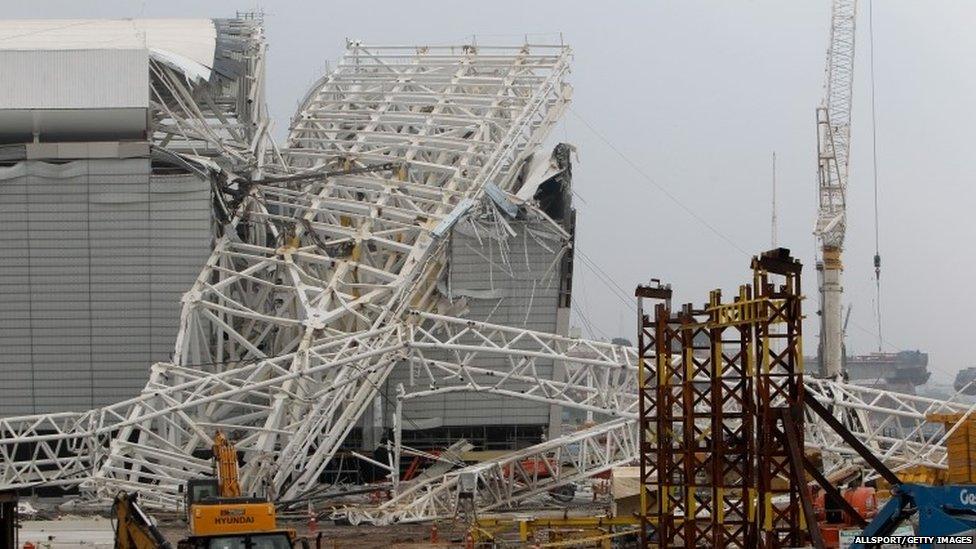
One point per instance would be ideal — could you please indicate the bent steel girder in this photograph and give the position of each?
(448, 354)
(514, 477)
(297, 317)
(145, 444)
(453, 120)
(892, 424)
(910, 444)
(224, 118)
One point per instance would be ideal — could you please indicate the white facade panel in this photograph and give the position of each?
(182, 40)
(74, 79)
(89, 296)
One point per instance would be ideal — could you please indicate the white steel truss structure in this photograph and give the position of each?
(503, 482)
(224, 117)
(324, 279)
(299, 314)
(596, 376)
(892, 424)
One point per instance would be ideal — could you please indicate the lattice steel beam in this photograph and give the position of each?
(503, 482)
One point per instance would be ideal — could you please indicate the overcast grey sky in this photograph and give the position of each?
(698, 94)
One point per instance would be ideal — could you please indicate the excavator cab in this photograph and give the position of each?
(201, 489)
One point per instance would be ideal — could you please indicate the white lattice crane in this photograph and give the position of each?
(833, 152)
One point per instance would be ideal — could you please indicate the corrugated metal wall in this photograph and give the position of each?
(96, 254)
(74, 79)
(528, 291)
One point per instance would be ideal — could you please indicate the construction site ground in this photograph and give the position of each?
(97, 533)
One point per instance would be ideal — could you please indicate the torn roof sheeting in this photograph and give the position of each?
(187, 45)
(539, 168)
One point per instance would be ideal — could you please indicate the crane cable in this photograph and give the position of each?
(874, 170)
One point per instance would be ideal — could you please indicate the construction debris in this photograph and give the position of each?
(333, 304)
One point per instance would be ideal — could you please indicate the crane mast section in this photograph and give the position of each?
(834, 125)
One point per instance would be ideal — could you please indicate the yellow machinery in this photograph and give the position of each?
(218, 515)
(133, 529)
(961, 446)
(216, 508)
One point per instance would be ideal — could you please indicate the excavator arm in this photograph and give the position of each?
(133, 528)
(225, 462)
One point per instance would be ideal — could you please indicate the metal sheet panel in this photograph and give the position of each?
(89, 291)
(529, 291)
(185, 41)
(74, 79)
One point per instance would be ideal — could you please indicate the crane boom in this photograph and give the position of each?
(833, 151)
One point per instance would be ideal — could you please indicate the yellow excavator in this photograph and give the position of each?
(219, 516)
(133, 528)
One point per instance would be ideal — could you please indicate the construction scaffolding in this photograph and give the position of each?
(718, 414)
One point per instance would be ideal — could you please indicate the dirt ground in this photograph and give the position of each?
(402, 536)
(97, 533)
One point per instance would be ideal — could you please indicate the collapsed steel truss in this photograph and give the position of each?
(299, 314)
(223, 118)
(324, 279)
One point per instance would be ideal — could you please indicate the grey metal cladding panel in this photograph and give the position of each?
(16, 269)
(13, 190)
(63, 263)
(13, 330)
(18, 392)
(121, 314)
(74, 312)
(14, 404)
(13, 371)
(127, 168)
(113, 388)
(177, 237)
(14, 306)
(14, 256)
(105, 229)
(63, 79)
(51, 405)
(173, 254)
(458, 411)
(530, 302)
(101, 288)
(179, 226)
(112, 274)
(178, 183)
(167, 205)
(107, 257)
(17, 360)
